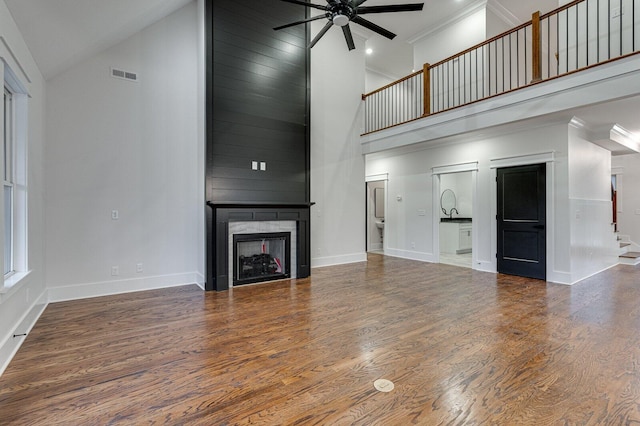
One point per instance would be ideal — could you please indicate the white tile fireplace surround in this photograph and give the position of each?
(257, 227)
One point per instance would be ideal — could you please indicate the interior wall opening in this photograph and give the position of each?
(376, 204)
(456, 219)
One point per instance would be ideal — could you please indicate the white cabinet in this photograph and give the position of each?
(455, 237)
(464, 241)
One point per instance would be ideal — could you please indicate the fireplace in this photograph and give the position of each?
(261, 257)
(228, 223)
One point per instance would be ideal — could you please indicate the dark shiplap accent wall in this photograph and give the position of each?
(257, 103)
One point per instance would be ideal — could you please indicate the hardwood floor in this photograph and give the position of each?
(461, 347)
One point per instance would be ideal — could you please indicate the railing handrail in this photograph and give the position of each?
(455, 86)
(561, 8)
(488, 41)
(366, 95)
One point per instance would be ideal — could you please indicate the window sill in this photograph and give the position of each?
(12, 285)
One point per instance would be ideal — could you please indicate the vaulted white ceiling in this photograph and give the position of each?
(61, 33)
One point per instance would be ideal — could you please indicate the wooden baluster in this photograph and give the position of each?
(426, 86)
(536, 51)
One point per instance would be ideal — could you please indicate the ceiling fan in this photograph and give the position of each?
(341, 12)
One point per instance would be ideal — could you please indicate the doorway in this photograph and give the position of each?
(521, 221)
(456, 218)
(375, 221)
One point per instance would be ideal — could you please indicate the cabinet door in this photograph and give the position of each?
(465, 239)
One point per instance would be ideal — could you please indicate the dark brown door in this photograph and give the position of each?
(522, 247)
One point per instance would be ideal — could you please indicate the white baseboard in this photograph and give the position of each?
(320, 262)
(107, 288)
(485, 266)
(9, 347)
(200, 280)
(410, 255)
(559, 277)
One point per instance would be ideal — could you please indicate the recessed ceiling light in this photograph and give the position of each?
(369, 51)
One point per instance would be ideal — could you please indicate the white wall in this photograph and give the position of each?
(593, 243)
(337, 164)
(373, 80)
(627, 168)
(450, 39)
(410, 186)
(495, 24)
(21, 305)
(131, 147)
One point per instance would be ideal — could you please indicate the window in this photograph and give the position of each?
(8, 182)
(13, 201)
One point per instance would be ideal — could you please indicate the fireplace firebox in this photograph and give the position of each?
(261, 257)
(225, 220)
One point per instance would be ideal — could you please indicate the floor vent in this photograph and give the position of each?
(124, 75)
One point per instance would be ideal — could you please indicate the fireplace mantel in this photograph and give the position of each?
(219, 215)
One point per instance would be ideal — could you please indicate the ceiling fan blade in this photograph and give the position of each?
(373, 27)
(357, 3)
(390, 8)
(348, 37)
(304, 3)
(300, 22)
(320, 34)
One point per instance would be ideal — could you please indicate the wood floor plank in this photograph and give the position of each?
(461, 346)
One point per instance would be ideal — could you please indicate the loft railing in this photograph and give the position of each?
(576, 36)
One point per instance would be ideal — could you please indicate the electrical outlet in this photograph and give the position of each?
(115, 215)
(422, 212)
(115, 271)
(139, 267)
(413, 245)
(254, 165)
(263, 166)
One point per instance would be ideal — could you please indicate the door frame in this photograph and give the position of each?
(375, 178)
(435, 202)
(547, 158)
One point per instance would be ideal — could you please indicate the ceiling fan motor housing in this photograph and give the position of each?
(341, 14)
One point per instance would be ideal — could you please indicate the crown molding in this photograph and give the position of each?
(503, 13)
(473, 8)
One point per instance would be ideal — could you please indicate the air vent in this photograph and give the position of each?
(124, 75)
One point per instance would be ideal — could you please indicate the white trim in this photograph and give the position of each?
(411, 255)
(12, 284)
(320, 262)
(435, 192)
(455, 168)
(522, 160)
(10, 345)
(547, 158)
(7, 55)
(108, 288)
(378, 177)
(503, 13)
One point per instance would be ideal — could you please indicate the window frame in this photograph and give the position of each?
(9, 143)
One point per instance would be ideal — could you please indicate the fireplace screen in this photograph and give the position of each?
(261, 257)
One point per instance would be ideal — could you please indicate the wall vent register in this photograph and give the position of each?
(124, 75)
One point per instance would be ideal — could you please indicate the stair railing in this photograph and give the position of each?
(573, 37)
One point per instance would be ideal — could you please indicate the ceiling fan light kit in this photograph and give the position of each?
(341, 12)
